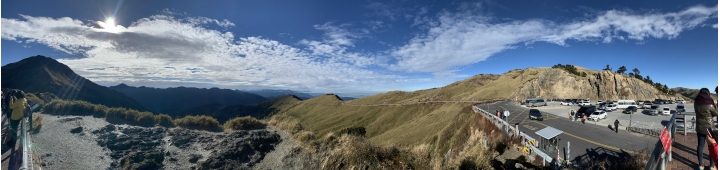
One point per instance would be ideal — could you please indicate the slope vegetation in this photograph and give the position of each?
(39, 74)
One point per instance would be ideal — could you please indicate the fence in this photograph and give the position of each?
(660, 158)
(23, 161)
(650, 130)
(510, 130)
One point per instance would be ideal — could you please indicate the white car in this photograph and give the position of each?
(610, 107)
(565, 103)
(597, 115)
(599, 101)
(666, 111)
(585, 103)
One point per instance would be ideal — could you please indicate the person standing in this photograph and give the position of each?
(17, 104)
(617, 125)
(572, 112)
(584, 118)
(705, 109)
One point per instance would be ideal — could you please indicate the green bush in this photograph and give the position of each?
(164, 120)
(357, 131)
(243, 123)
(199, 122)
(75, 107)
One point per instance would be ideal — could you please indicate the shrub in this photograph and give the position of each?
(357, 131)
(243, 123)
(75, 107)
(199, 122)
(37, 123)
(164, 120)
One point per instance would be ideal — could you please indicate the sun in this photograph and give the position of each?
(109, 26)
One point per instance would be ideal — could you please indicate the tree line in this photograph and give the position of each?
(635, 73)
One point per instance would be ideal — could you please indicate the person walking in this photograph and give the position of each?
(705, 109)
(617, 125)
(17, 104)
(584, 117)
(572, 114)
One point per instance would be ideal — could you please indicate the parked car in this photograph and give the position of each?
(565, 103)
(597, 115)
(654, 109)
(647, 105)
(535, 102)
(585, 103)
(680, 108)
(630, 110)
(535, 114)
(622, 104)
(585, 110)
(681, 101)
(598, 102)
(610, 107)
(666, 111)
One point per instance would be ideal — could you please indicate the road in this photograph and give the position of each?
(588, 142)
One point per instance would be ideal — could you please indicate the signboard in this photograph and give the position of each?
(665, 139)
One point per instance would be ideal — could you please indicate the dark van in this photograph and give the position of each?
(585, 110)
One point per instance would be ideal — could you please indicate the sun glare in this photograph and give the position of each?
(109, 26)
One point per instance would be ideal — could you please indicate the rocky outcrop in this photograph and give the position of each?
(605, 85)
(156, 147)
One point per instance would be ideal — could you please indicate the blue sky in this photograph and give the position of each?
(359, 46)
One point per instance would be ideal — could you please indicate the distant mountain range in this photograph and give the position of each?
(172, 100)
(39, 74)
(223, 112)
(271, 94)
(691, 93)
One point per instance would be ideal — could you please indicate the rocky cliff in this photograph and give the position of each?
(603, 85)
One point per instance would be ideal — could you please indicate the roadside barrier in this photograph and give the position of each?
(659, 157)
(530, 144)
(22, 159)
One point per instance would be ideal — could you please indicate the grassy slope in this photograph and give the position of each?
(406, 125)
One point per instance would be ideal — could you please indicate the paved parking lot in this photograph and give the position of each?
(640, 117)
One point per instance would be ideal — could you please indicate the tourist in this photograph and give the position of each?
(617, 125)
(17, 104)
(705, 109)
(712, 147)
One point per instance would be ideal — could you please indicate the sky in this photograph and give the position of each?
(360, 47)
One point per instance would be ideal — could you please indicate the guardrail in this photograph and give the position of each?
(660, 158)
(510, 130)
(23, 161)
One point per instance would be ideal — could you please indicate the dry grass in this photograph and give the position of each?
(243, 123)
(199, 122)
(37, 123)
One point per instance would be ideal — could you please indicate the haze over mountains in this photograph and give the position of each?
(170, 100)
(39, 74)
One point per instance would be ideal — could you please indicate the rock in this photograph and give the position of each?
(604, 85)
(240, 149)
(194, 158)
(76, 130)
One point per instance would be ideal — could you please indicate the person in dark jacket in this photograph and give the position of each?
(705, 109)
(617, 125)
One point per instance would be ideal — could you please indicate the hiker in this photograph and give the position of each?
(705, 109)
(693, 123)
(617, 125)
(572, 113)
(497, 113)
(17, 104)
(584, 117)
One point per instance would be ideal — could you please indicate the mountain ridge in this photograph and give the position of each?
(170, 100)
(38, 74)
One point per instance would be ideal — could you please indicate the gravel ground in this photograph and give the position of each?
(61, 149)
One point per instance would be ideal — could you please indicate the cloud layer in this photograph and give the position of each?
(165, 49)
(162, 48)
(459, 39)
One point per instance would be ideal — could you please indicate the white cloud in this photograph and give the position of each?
(454, 40)
(335, 43)
(163, 49)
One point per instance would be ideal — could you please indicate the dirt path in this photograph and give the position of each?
(61, 149)
(287, 155)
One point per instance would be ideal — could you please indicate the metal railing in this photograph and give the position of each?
(23, 161)
(659, 158)
(508, 129)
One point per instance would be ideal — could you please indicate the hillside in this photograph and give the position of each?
(169, 100)
(691, 93)
(39, 74)
(271, 94)
(412, 122)
(223, 112)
